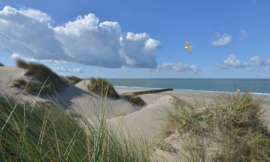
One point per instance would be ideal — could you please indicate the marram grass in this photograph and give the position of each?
(228, 129)
(50, 134)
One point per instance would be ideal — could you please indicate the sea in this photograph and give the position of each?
(256, 86)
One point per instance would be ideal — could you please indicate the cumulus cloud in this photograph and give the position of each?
(177, 67)
(267, 69)
(75, 70)
(232, 62)
(139, 50)
(258, 61)
(84, 40)
(223, 40)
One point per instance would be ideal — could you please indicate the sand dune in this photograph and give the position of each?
(8, 74)
(78, 98)
(146, 121)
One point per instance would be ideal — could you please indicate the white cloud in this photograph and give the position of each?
(268, 61)
(258, 60)
(100, 70)
(62, 69)
(223, 40)
(232, 62)
(267, 69)
(85, 40)
(35, 14)
(154, 70)
(248, 69)
(16, 56)
(244, 33)
(221, 66)
(139, 50)
(178, 67)
(54, 62)
(124, 69)
(75, 70)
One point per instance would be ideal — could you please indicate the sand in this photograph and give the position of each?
(193, 96)
(78, 98)
(146, 121)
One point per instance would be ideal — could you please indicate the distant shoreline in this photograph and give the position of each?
(191, 90)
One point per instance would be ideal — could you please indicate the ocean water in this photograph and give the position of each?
(258, 86)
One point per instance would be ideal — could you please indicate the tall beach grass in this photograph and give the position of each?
(48, 133)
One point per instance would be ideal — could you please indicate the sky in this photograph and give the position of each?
(139, 39)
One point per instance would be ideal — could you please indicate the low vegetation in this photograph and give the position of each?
(33, 86)
(120, 114)
(227, 130)
(102, 87)
(137, 100)
(20, 83)
(48, 133)
(1, 64)
(41, 74)
(74, 79)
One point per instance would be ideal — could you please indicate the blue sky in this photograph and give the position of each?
(139, 39)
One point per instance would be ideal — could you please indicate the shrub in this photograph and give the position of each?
(1, 64)
(102, 87)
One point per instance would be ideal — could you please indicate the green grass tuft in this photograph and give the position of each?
(102, 87)
(228, 129)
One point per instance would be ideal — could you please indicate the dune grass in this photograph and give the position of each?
(40, 73)
(21, 64)
(20, 83)
(137, 100)
(102, 87)
(1, 64)
(228, 129)
(48, 133)
(74, 79)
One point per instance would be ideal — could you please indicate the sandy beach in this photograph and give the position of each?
(195, 96)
